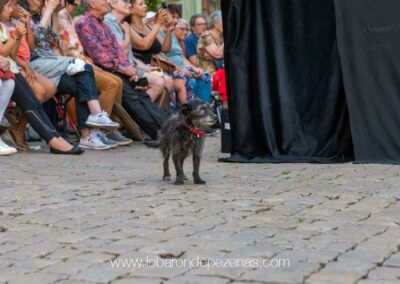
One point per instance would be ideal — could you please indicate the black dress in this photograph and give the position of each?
(146, 55)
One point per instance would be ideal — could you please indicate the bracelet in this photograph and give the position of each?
(17, 39)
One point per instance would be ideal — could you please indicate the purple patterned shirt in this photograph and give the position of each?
(100, 44)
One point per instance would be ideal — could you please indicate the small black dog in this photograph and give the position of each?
(184, 134)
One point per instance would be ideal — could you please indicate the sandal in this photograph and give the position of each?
(19, 143)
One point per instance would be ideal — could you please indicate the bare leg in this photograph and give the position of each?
(156, 86)
(94, 106)
(179, 85)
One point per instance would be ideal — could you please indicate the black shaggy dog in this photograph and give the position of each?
(184, 134)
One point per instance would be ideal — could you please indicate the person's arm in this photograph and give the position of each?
(144, 43)
(126, 42)
(215, 51)
(93, 48)
(4, 64)
(64, 39)
(26, 18)
(47, 12)
(188, 63)
(30, 75)
(10, 48)
(166, 41)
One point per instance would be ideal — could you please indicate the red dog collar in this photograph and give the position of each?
(195, 131)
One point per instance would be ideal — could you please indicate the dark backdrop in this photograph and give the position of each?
(369, 43)
(285, 85)
(285, 79)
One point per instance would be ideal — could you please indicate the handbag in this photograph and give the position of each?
(162, 61)
(6, 75)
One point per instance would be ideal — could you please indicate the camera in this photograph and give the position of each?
(142, 82)
(164, 5)
(71, 2)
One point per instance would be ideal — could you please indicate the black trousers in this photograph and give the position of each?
(26, 99)
(143, 111)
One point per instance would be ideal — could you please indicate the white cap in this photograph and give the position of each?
(150, 15)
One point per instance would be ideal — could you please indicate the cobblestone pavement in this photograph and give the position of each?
(62, 219)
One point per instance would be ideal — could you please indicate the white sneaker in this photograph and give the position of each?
(92, 142)
(101, 120)
(106, 141)
(5, 149)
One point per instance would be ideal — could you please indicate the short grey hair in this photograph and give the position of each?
(182, 22)
(214, 17)
(195, 17)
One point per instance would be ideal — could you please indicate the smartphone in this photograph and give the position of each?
(164, 5)
(142, 82)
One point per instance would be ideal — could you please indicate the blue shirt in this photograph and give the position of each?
(191, 45)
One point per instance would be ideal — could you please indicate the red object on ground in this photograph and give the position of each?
(219, 84)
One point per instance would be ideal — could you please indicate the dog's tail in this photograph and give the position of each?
(152, 143)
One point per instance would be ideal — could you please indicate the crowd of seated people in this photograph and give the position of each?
(116, 53)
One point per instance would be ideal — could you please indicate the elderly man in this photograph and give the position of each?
(100, 44)
(198, 24)
(120, 9)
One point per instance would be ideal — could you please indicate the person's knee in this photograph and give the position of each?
(89, 68)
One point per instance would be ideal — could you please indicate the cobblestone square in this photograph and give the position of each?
(75, 219)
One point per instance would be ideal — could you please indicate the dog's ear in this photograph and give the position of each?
(185, 109)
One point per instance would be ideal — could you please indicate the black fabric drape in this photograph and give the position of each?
(284, 79)
(369, 43)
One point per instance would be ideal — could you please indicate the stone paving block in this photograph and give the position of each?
(385, 273)
(103, 273)
(326, 277)
(129, 280)
(39, 277)
(89, 209)
(393, 261)
(68, 267)
(189, 279)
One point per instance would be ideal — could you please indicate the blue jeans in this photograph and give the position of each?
(82, 86)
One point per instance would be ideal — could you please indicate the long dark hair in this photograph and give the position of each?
(2, 4)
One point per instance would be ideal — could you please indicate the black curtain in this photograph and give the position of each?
(285, 83)
(369, 43)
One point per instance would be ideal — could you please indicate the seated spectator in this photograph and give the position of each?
(198, 24)
(147, 41)
(81, 84)
(120, 9)
(23, 94)
(42, 87)
(194, 77)
(210, 48)
(100, 44)
(109, 85)
(6, 91)
(219, 85)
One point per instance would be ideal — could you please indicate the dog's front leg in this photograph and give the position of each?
(196, 168)
(178, 162)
